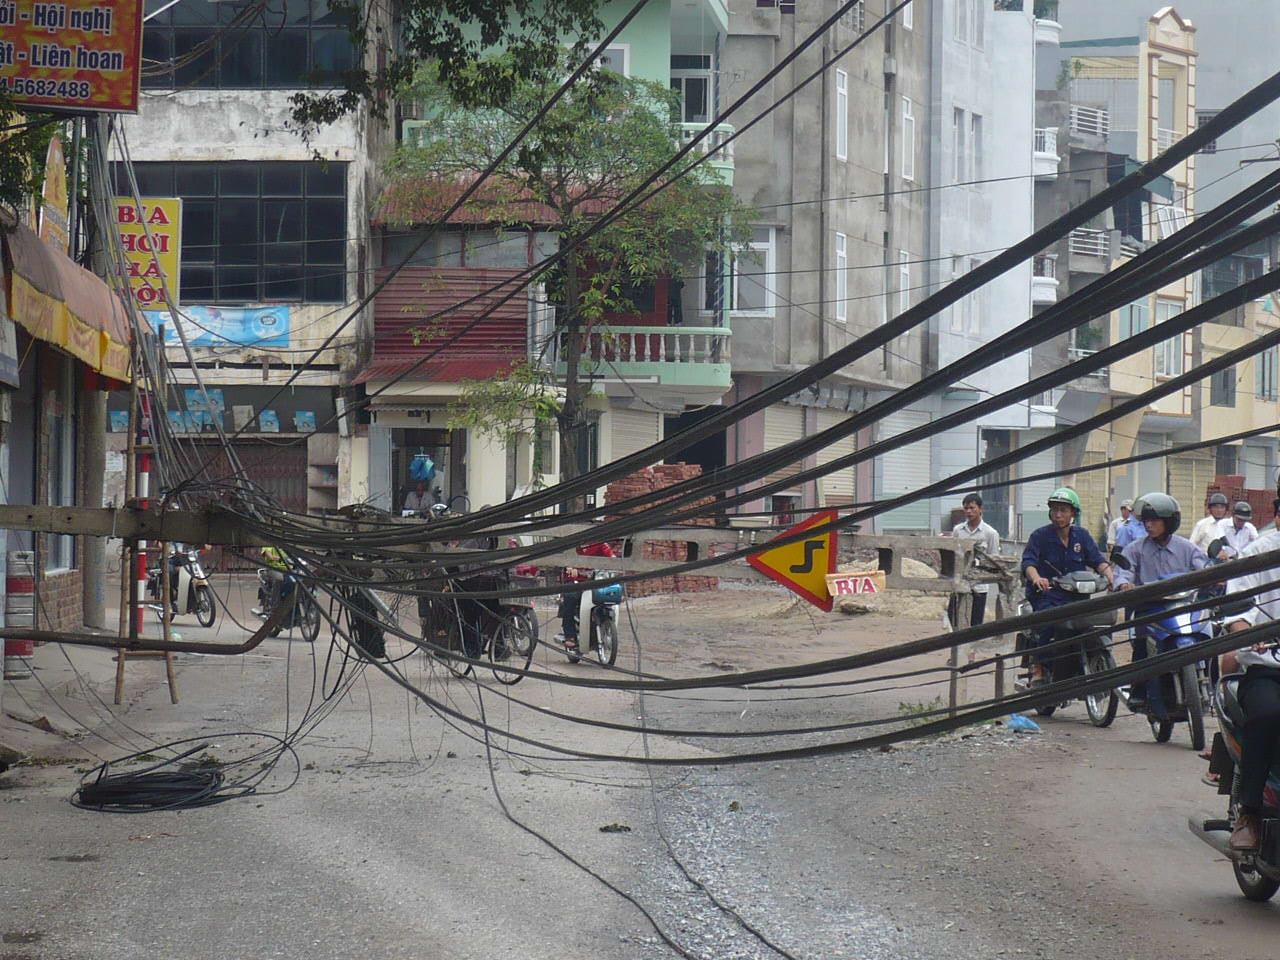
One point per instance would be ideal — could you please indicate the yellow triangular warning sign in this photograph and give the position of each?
(803, 566)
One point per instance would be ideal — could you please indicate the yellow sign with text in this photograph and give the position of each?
(151, 233)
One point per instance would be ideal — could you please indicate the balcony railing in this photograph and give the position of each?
(1092, 121)
(1079, 353)
(668, 356)
(1166, 139)
(1089, 243)
(1046, 140)
(717, 143)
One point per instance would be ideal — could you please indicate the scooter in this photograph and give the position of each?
(1085, 657)
(1257, 872)
(277, 586)
(189, 588)
(598, 613)
(1186, 693)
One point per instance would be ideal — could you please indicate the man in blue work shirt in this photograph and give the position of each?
(1157, 556)
(1054, 550)
(1132, 530)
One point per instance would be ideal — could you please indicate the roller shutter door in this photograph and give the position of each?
(783, 424)
(836, 489)
(902, 471)
(1035, 495)
(633, 430)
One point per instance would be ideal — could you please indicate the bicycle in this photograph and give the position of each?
(505, 632)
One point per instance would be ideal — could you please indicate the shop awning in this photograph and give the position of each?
(60, 302)
(444, 370)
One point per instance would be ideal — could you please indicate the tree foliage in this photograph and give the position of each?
(24, 142)
(460, 37)
(595, 146)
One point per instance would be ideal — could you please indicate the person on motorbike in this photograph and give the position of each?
(1157, 556)
(275, 559)
(1238, 531)
(1206, 529)
(570, 600)
(1056, 549)
(1113, 528)
(1131, 530)
(1259, 691)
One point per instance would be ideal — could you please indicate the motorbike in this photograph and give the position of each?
(279, 586)
(1257, 872)
(1087, 656)
(1187, 692)
(189, 590)
(598, 613)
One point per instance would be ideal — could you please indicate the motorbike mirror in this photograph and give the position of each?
(1215, 547)
(1121, 561)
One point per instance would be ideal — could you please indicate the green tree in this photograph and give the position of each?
(602, 140)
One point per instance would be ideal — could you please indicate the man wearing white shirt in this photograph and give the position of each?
(1237, 531)
(1206, 528)
(1113, 528)
(1259, 691)
(976, 529)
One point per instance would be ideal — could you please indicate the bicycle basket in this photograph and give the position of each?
(609, 594)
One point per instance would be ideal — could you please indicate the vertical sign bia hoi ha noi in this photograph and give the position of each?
(79, 55)
(803, 566)
(153, 260)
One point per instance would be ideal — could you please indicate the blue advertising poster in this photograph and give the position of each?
(203, 414)
(119, 421)
(220, 326)
(304, 421)
(268, 421)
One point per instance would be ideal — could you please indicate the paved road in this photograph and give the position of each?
(391, 845)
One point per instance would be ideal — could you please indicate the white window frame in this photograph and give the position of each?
(909, 16)
(958, 144)
(625, 50)
(962, 20)
(841, 305)
(1168, 361)
(769, 264)
(904, 281)
(977, 163)
(1267, 375)
(978, 22)
(855, 18)
(959, 307)
(679, 76)
(842, 115)
(1136, 317)
(908, 140)
(977, 300)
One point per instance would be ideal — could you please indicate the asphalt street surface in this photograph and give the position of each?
(391, 844)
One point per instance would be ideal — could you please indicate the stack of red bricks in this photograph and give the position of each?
(1233, 485)
(660, 477)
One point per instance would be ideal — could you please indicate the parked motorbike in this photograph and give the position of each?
(598, 619)
(1187, 692)
(278, 586)
(1082, 658)
(189, 590)
(1257, 872)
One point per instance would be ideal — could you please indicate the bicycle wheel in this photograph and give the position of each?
(308, 616)
(512, 646)
(454, 645)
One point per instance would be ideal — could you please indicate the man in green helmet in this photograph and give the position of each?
(1054, 550)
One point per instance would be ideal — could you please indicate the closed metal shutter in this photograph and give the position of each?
(1034, 496)
(1256, 474)
(902, 471)
(634, 430)
(838, 489)
(782, 425)
(278, 468)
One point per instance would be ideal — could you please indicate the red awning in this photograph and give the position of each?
(444, 370)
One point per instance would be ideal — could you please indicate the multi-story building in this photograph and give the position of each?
(838, 176)
(671, 354)
(982, 142)
(274, 249)
(1116, 101)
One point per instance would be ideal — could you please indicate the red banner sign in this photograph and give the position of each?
(78, 55)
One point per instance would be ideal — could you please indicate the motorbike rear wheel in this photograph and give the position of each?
(1194, 705)
(1103, 704)
(1253, 884)
(206, 606)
